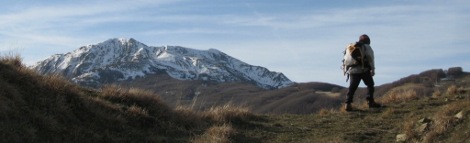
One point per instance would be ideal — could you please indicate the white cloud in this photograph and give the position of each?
(304, 44)
(403, 36)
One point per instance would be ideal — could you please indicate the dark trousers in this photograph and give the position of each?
(355, 79)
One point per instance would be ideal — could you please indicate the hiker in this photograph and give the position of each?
(363, 69)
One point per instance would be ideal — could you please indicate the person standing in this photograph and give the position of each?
(364, 70)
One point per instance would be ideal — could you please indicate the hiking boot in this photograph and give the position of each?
(374, 105)
(348, 107)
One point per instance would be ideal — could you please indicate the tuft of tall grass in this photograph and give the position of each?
(216, 134)
(12, 59)
(133, 97)
(452, 90)
(409, 127)
(399, 96)
(228, 113)
(137, 110)
(59, 84)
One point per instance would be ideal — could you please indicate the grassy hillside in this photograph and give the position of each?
(442, 116)
(36, 108)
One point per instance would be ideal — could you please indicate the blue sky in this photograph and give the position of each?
(303, 39)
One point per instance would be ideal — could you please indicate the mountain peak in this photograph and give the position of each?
(124, 59)
(121, 40)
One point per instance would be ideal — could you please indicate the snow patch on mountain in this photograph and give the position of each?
(125, 59)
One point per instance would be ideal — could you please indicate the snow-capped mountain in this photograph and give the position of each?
(125, 59)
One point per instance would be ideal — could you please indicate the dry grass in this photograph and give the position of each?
(452, 90)
(135, 100)
(323, 140)
(440, 127)
(403, 94)
(228, 113)
(222, 118)
(437, 93)
(409, 127)
(58, 83)
(444, 120)
(137, 111)
(219, 119)
(325, 112)
(388, 112)
(216, 134)
(12, 59)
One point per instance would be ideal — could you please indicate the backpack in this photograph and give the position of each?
(354, 55)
